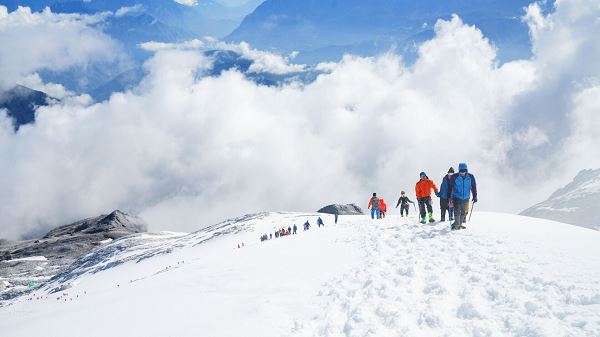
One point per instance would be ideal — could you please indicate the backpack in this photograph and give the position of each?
(375, 203)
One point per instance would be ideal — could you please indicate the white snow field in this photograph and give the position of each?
(505, 275)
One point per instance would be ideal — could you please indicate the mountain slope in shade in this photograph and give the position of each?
(576, 204)
(37, 260)
(21, 102)
(505, 275)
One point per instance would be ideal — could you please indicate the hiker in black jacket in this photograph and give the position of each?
(403, 203)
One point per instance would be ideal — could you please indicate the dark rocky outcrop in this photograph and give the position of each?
(350, 209)
(38, 260)
(21, 103)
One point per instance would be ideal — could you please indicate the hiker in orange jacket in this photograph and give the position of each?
(423, 189)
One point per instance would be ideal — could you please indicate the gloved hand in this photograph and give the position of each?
(437, 194)
(474, 199)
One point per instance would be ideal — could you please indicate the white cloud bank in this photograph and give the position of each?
(45, 40)
(185, 151)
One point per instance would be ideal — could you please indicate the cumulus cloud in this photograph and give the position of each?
(187, 2)
(45, 40)
(54, 90)
(531, 138)
(185, 151)
(566, 62)
(129, 10)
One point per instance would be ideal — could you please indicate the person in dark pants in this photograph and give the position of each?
(320, 222)
(423, 190)
(295, 228)
(336, 217)
(444, 199)
(403, 202)
(462, 185)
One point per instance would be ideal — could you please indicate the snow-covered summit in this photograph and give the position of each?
(505, 275)
(576, 204)
(117, 223)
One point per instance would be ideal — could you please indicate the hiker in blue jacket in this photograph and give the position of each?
(461, 186)
(444, 199)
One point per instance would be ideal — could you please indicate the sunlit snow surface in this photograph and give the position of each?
(504, 276)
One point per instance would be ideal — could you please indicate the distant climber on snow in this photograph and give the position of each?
(403, 202)
(382, 208)
(306, 225)
(423, 189)
(320, 222)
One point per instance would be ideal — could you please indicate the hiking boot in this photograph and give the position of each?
(431, 220)
(423, 221)
(443, 219)
(462, 227)
(455, 226)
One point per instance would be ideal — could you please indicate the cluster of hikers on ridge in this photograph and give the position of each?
(454, 193)
(291, 230)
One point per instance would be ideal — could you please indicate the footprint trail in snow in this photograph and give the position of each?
(423, 280)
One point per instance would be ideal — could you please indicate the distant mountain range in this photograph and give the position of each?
(206, 18)
(329, 28)
(322, 30)
(576, 203)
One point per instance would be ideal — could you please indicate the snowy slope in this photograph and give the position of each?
(577, 203)
(505, 276)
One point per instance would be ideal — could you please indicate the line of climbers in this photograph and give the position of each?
(454, 194)
(378, 207)
(289, 230)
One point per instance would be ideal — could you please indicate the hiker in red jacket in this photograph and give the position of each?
(382, 208)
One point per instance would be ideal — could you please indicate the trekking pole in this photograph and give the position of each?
(472, 209)
(450, 215)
